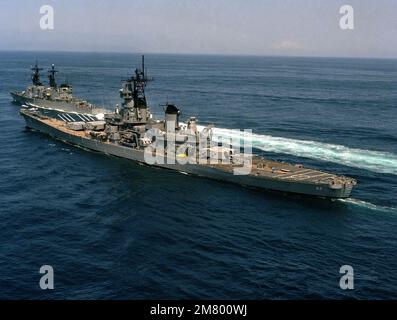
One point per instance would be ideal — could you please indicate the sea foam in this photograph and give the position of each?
(376, 161)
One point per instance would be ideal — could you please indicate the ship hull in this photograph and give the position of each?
(62, 106)
(19, 99)
(193, 169)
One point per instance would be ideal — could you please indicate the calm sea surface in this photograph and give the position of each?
(112, 229)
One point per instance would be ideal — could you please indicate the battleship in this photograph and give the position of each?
(131, 132)
(58, 98)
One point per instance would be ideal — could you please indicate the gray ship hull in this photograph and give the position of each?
(62, 106)
(194, 169)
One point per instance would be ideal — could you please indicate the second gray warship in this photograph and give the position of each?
(53, 97)
(131, 132)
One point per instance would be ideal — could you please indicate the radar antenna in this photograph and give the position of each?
(51, 76)
(36, 75)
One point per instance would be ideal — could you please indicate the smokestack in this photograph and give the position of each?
(172, 117)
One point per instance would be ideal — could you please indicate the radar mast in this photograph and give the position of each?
(51, 76)
(36, 75)
(133, 94)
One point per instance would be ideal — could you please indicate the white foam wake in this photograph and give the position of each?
(376, 161)
(368, 205)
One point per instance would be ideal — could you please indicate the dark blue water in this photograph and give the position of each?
(113, 229)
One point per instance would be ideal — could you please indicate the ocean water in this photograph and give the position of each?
(112, 229)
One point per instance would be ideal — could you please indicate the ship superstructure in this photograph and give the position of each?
(54, 96)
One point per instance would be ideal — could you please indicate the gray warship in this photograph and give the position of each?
(131, 132)
(58, 98)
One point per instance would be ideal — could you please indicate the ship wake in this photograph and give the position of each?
(368, 205)
(375, 161)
